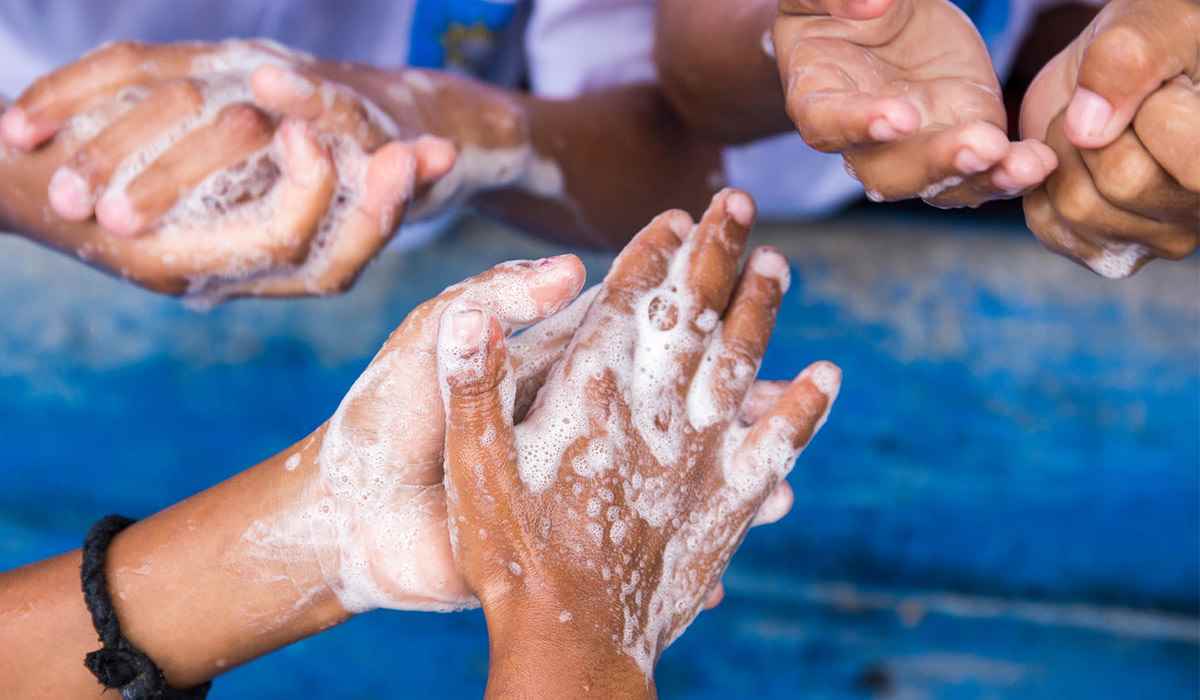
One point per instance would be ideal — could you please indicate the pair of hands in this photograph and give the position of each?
(600, 468)
(228, 169)
(905, 90)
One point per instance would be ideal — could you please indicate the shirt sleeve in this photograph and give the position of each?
(575, 46)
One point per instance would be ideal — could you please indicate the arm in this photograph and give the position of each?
(594, 527)
(171, 578)
(346, 520)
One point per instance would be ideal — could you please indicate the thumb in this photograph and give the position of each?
(1128, 58)
(477, 392)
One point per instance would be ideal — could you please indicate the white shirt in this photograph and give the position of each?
(570, 46)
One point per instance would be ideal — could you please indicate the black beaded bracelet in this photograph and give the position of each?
(119, 665)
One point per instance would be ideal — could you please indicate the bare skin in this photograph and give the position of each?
(342, 522)
(906, 92)
(273, 533)
(1121, 108)
(58, 185)
(598, 524)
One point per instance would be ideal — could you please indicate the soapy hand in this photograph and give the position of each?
(1121, 108)
(226, 169)
(605, 517)
(374, 510)
(906, 92)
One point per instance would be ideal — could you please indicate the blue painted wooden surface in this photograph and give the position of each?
(1009, 487)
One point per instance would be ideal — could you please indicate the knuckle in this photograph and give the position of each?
(1122, 47)
(122, 54)
(1076, 201)
(742, 350)
(244, 120)
(1179, 244)
(183, 92)
(1124, 179)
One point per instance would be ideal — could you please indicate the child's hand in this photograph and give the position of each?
(232, 168)
(604, 519)
(374, 507)
(1121, 108)
(906, 92)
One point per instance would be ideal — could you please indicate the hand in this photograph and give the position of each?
(1121, 108)
(227, 169)
(906, 92)
(374, 508)
(599, 524)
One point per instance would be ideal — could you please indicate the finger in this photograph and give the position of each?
(762, 396)
(930, 162)
(1169, 125)
(472, 369)
(775, 506)
(847, 9)
(245, 246)
(827, 105)
(75, 185)
(644, 262)
(1129, 57)
(41, 111)
(715, 250)
(1026, 166)
(731, 361)
(330, 107)
(535, 351)
(238, 131)
(365, 226)
(715, 596)
(1129, 178)
(435, 158)
(1084, 211)
(773, 443)
(833, 122)
(1043, 221)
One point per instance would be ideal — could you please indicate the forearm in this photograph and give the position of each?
(622, 155)
(715, 68)
(589, 170)
(193, 588)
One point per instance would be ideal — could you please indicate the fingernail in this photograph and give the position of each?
(1004, 182)
(769, 262)
(16, 127)
(740, 207)
(1089, 113)
(115, 212)
(968, 162)
(466, 327)
(555, 283)
(297, 85)
(882, 130)
(827, 378)
(70, 195)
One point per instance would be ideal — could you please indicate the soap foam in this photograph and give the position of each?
(1118, 261)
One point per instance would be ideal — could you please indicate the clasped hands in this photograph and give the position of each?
(586, 480)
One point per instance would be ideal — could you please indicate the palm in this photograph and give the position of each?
(911, 101)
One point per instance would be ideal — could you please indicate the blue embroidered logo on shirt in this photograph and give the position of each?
(458, 35)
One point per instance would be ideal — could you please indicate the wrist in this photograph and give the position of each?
(490, 127)
(540, 649)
